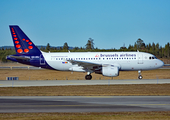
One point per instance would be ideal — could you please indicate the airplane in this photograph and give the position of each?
(105, 63)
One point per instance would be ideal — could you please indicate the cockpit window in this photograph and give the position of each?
(153, 57)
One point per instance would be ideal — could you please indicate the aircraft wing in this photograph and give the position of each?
(86, 65)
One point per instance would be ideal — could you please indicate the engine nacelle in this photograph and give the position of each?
(110, 71)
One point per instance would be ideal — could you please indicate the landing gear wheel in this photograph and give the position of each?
(88, 77)
(140, 77)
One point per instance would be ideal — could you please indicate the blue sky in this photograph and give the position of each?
(111, 23)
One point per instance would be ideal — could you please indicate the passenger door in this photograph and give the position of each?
(140, 58)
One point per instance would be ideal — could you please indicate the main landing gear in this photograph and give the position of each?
(88, 76)
(140, 75)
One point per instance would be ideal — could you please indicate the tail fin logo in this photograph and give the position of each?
(18, 44)
(22, 44)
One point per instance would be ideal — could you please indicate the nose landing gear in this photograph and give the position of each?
(140, 75)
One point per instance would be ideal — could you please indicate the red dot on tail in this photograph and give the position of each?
(30, 43)
(30, 47)
(19, 50)
(26, 50)
(18, 46)
(16, 42)
(12, 29)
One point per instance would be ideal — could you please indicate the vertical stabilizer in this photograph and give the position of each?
(22, 44)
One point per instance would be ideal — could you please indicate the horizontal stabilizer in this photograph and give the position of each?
(19, 57)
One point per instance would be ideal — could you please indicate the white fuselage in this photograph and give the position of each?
(126, 61)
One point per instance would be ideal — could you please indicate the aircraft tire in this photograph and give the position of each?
(88, 77)
(140, 77)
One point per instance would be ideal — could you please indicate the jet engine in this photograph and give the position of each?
(110, 71)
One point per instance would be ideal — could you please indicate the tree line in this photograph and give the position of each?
(153, 48)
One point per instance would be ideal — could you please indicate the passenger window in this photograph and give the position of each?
(149, 57)
(152, 57)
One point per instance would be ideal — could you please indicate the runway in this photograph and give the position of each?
(25, 83)
(84, 104)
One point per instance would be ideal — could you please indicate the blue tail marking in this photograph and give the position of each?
(22, 44)
(26, 51)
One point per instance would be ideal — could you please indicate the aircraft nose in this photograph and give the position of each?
(161, 63)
